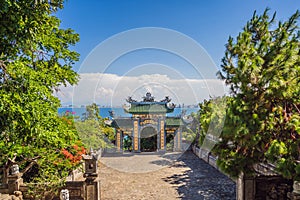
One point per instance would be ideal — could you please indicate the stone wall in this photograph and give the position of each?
(207, 157)
(82, 190)
(87, 186)
(266, 184)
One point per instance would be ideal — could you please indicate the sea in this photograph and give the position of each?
(119, 112)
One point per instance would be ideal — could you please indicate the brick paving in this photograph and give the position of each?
(188, 178)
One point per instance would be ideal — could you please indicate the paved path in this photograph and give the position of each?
(140, 162)
(188, 178)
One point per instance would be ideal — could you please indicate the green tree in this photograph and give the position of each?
(194, 127)
(92, 112)
(93, 130)
(35, 60)
(211, 120)
(91, 135)
(262, 68)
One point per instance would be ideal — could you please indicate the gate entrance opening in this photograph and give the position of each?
(148, 140)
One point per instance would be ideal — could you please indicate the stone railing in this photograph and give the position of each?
(207, 157)
(266, 184)
(75, 175)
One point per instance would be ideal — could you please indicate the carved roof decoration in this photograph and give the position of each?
(149, 106)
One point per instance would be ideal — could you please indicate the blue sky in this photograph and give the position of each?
(208, 23)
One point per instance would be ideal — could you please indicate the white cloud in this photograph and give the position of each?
(111, 89)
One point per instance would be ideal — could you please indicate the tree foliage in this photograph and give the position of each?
(92, 129)
(92, 112)
(262, 68)
(35, 59)
(211, 117)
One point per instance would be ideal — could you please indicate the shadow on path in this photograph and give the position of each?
(202, 181)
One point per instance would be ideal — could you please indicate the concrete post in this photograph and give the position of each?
(245, 187)
(295, 195)
(92, 186)
(14, 180)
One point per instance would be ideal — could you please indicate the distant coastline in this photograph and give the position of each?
(109, 106)
(119, 111)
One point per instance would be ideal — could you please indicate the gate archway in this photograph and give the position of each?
(148, 139)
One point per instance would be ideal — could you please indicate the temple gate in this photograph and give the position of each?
(148, 125)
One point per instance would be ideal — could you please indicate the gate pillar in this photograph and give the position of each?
(178, 140)
(136, 137)
(119, 140)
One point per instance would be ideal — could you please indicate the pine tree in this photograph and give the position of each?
(262, 68)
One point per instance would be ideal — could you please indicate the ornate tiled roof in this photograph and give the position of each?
(149, 106)
(122, 123)
(148, 109)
